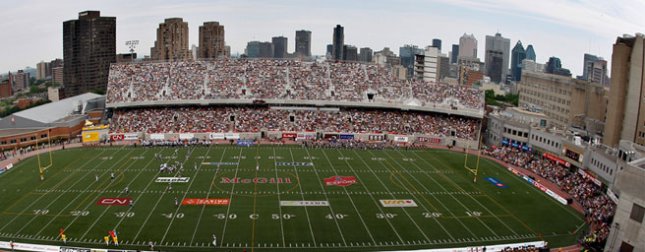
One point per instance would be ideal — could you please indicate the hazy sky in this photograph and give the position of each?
(563, 28)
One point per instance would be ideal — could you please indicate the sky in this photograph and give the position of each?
(563, 28)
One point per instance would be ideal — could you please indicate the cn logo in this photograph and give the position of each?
(118, 137)
(113, 201)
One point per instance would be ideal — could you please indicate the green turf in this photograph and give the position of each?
(452, 210)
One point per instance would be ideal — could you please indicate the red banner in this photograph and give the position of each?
(340, 181)
(205, 201)
(289, 135)
(117, 137)
(556, 159)
(114, 201)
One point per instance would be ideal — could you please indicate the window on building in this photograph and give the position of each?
(43, 136)
(33, 138)
(24, 139)
(3, 142)
(637, 213)
(13, 141)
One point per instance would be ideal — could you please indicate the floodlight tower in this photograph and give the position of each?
(132, 44)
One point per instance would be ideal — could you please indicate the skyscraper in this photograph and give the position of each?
(497, 49)
(89, 47)
(436, 43)
(625, 110)
(279, 47)
(257, 49)
(303, 43)
(530, 53)
(350, 53)
(467, 46)
(42, 69)
(407, 54)
(597, 72)
(554, 66)
(338, 42)
(454, 54)
(517, 55)
(172, 41)
(330, 51)
(588, 58)
(211, 41)
(365, 54)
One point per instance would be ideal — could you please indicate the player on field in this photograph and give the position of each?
(126, 190)
(176, 202)
(112, 175)
(96, 177)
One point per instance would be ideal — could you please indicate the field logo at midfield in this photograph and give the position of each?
(257, 180)
(172, 179)
(114, 201)
(304, 203)
(398, 203)
(206, 201)
(496, 182)
(340, 181)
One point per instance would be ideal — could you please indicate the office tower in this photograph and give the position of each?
(530, 53)
(350, 53)
(597, 72)
(554, 66)
(407, 54)
(338, 42)
(496, 57)
(436, 43)
(467, 46)
(279, 47)
(89, 47)
(625, 110)
(172, 41)
(517, 55)
(365, 54)
(454, 54)
(211, 41)
(330, 51)
(303, 43)
(587, 60)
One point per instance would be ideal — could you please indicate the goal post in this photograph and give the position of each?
(474, 170)
(43, 167)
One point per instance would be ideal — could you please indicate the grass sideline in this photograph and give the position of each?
(451, 210)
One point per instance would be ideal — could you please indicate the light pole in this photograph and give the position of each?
(132, 44)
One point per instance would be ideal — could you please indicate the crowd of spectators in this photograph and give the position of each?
(266, 79)
(598, 208)
(255, 119)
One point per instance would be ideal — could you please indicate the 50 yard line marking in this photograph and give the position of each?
(210, 186)
(277, 186)
(230, 197)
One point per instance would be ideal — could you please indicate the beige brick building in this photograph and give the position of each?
(211, 41)
(172, 41)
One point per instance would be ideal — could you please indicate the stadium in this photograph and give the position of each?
(274, 155)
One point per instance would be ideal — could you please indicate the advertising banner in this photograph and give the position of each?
(400, 139)
(245, 142)
(216, 136)
(131, 136)
(306, 136)
(232, 135)
(589, 176)
(205, 202)
(186, 136)
(340, 181)
(116, 137)
(398, 203)
(157, 136)
(556, 159)
(346, 136)
(89, 137)
(289, 135)
(17, 246)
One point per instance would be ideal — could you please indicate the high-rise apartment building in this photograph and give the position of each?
(21, 80)
(626, 111)
(350, 53)
(496, 57)
(365, 54)
(597, 72)
(338, 42)
(279, 47)
(303, 43)
(426, 65)
(467, 46)
(42, 68)
(89, 47)
(211, 41)
(257, 49)
(172, 41)
(517, 55)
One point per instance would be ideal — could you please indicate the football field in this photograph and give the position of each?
(275, 198)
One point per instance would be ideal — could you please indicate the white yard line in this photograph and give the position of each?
(392, 195)
(185, 193)
(155, 206)
(79, 195)
(230, 197)
(302, 195)
(459, 187)
(327, 198)
(277, 186)
(57, 185)
(371, 196)
(199, 220)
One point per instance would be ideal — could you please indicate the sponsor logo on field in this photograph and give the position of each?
(172, 179)
(260, 180)
(220, 163)
(340, 181)
(113, 201)
(294, 164)
(304, 203)
(208, 202)
(496, 182)
(398, 203)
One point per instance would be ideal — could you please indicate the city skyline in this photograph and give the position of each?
(590, 27)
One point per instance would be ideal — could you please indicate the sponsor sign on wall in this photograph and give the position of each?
(172, 179)
(589, 176)
(289, 135)
(232, 136)
(306, 136)
(556, 159)
(157, 136)
(205, 201)
(216, 136)
(116, 137)
(17, 246)
(92, 136)
(245, 142)
(130, 136)
(398, 203)
(113, 201)
(304, 203)
(540, 186)
(186, 136)
(346, 136)
(400, 139)
(340, 181)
